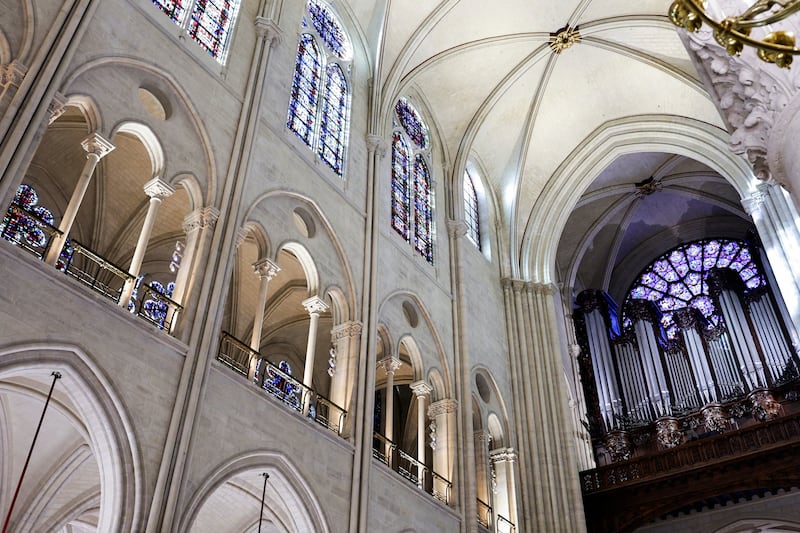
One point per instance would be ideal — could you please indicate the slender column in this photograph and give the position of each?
(266, 269)
(346, 339)
(390, 365)
(443, 415)
(482, 474)
(199, 228)
(157, 190)
(96, 148)
(421, 390)
(314, 306)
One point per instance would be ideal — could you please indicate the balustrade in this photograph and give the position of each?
(485, 514)
(280, 384)
(410, 468)
(504, 525)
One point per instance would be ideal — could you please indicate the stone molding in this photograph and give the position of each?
(442, 407)
(351, 329)
(202, 218)
(315, 305)
(268, 30)
(11, 75)
(376, 144)
(457, 228)
(57, 107)
(157, 188)
(241, 235)
(504, 455)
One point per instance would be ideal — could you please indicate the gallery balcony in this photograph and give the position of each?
(278, 384)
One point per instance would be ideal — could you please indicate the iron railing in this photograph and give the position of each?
(28, 230)
(504, 525)
(280, 384)
(94, 271)
(485, 514)
(155, 307)
(410, 468)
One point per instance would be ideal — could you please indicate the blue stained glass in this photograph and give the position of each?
(423, 224)
(412, 123)
(691, 263)
(333, 123)
(305, 90)
(156, 309)
(174, 9)
(25, 219)
(471, 217)
(210, 24)
(328, 27)
(401, 191)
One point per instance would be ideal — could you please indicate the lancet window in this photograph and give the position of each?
(471, 213)
(209, 23)
(319, 105)
(412, 199)
(699, 327)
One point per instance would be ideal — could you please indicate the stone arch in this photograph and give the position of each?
(649, 133)
(299, 503)
(89, 110)
(110, 433)
(149, 139)
(259, 234)
(306, 262)
(749, 525)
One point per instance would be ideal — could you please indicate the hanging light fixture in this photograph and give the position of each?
(734, 31)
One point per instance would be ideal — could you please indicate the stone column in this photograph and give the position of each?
(421, 390)
(199, 228)
(314, 306)
(504, 461)
(157, 190)
(266, 270)
(390, 365)
(96, 147)
(443, 414)
(346, 339)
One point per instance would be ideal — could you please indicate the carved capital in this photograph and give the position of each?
(266, 269)
(315, 305)
(376, 144)
(268, 30)
(457, 228)
(442, 407)
(504, 455)
(11, 75)
(544, 289)
(390, 364)
(421, 388)
(347, 330)
(241, 234)
(100, 146)
(57, 106)
(202, 218)
(753, 204)
(157, 188)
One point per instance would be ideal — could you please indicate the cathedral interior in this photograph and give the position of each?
(391, 265)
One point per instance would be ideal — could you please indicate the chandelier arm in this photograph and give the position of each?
(697, 7)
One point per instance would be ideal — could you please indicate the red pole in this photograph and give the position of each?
(56, 376)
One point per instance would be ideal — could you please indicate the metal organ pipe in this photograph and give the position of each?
(604, 369)
(741, 338)
(648, 348)
(702, 374)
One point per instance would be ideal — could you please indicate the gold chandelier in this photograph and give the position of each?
(733, 32)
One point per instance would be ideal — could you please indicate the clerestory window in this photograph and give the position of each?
(319, 105)
(471, 210)
(412, 200)
(209, 23)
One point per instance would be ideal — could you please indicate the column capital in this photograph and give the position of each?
(241, 235)
(344, 330)
(516, 285)
(390, 364)
(504, 455)
(11, 75)
(753, 203)
(268, 30)
(483, 436)
(266, 269)
(376, 143)
(546, 289)
(421, 388)
(57, 106)
(157, 188)
(98, 145)
(315, 305)
(442, 407)
(457, 228)
(201, 218)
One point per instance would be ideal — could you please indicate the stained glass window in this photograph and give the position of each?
(412, 200)
(411, 122)
(401, 191)
(677, 280)
(329, 29)
(155, 308)
(422, 209)
(333, 127)
(319, 105)
(26, 221)
(305, 90)
(209, 22)
(471, 214)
